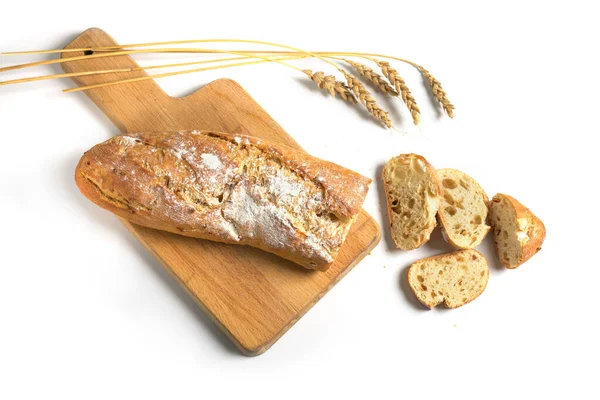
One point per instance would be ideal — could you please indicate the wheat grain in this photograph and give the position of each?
(331, 84)
(373, 76)
(438, 92)
(367, 100)
(401, 87)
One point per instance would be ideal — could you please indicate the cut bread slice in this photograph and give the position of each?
(413, 194)
(454, 278)
(463, 209)
(518, 233)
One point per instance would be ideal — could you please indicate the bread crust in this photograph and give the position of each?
(536, 231)
(133, 175)
(467, 253)
(431, 172)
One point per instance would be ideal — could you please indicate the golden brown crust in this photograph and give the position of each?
(226, 188)
(536, 231)
(433, 175)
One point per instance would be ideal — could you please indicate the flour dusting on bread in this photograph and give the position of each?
(211, 161)
(227, 188)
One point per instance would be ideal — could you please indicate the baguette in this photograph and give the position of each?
(455, 278)
(226, 188)
(463, 209)
(413, 193)
(518, 233)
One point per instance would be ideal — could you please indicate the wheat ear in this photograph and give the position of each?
(331, 84)
(438, 92)
(367, 100)
(373, 76)
(401, 87)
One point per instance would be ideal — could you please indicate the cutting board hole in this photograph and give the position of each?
(88, 52)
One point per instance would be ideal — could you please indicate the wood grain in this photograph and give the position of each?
(253, 296)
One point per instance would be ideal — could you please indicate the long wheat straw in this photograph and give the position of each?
(319, 54)
(162, 50)
(65, 75)
(356, 86)
(196, 50)
(434, 83)
(353, 83)
(143, 78)
(112, 71)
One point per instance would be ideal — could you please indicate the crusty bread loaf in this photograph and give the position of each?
(518, 233)
(227, 188)
(413, 193)
(454, 278)
(463, 209)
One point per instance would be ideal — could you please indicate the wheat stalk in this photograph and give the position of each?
(401, 87)
(373, 77)
(331, 84)
(397, 87)
(367, 100)
(438, 92)
(144, 68)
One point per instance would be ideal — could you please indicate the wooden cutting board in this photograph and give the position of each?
(253, 296)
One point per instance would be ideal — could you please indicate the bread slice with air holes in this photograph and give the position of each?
(454, 278)
(518, 233)
(413, 192)
(463, 209)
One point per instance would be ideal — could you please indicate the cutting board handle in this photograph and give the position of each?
(110, 98)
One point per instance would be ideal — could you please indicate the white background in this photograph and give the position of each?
(85, 312)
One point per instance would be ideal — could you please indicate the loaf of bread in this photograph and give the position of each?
(518, 233)
(412, 191)
(454, 278)
(227, 188)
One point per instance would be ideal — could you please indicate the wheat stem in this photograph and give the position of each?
(318, 54)
(168, 43)
(130, 52)
(112, 71)
(110, 52)
(181, 42)
(143, 78)
(101, 55)
(66, 75)
(354, 84)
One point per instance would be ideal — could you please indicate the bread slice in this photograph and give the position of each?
(454, 278)
(518, 233)
(463, 209)
(413, 194)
